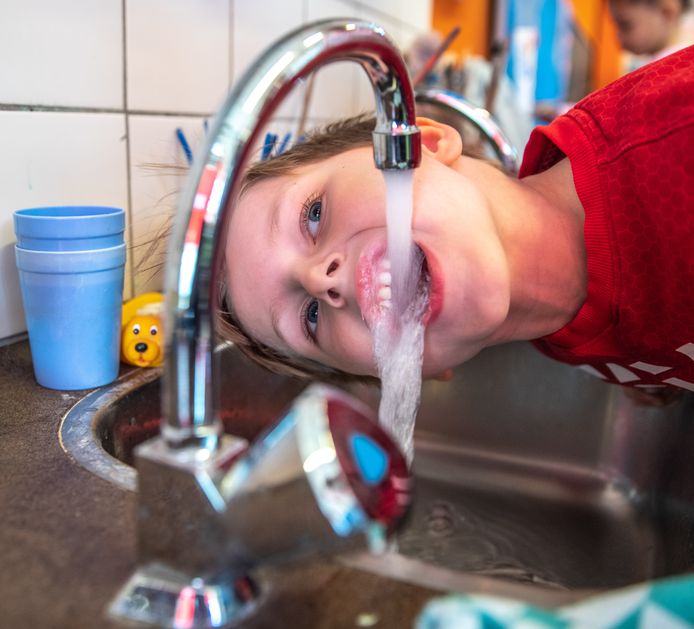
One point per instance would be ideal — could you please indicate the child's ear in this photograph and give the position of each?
(440, 140)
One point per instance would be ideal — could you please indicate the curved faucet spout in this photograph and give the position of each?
(451, 102)
(192, 274)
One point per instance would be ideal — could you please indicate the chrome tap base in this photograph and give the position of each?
(156, 595)
(180, 582)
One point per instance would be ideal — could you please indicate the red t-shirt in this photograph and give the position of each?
(631, 149)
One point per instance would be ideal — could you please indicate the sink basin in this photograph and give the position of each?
(533, 479)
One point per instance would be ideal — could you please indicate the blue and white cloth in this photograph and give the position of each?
(666, 604)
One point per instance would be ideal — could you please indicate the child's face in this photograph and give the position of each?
(642, 29)
(304, 252)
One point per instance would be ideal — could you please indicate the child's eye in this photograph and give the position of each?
(311, 215)
(310, 319)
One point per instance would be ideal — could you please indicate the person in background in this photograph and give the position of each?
(652, 29)
(647, 30)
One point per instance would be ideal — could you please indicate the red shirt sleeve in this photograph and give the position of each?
(631, 149)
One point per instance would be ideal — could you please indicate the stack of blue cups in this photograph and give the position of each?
(71, 263)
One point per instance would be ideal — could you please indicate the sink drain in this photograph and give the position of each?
(441, 520)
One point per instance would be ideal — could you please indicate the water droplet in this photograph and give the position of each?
(366, 619)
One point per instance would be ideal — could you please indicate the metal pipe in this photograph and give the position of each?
(479, 117)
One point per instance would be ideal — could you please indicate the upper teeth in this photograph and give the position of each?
(385, 280)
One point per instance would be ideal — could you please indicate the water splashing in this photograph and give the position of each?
(399, 331)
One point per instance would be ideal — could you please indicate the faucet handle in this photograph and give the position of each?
(362, 461)
(323, 476)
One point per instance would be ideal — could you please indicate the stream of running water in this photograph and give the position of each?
(399, 331)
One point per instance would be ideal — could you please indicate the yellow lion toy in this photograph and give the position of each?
(142, 339)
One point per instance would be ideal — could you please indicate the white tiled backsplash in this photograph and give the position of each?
(91, 95)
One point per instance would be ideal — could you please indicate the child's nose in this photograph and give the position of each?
(324, 280)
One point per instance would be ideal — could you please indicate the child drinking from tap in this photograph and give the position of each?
(589, 253)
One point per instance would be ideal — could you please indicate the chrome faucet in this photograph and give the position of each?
(450, 102)
(210, 507)
(190, 380)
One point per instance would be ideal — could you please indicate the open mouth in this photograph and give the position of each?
(424, 285)
(432, 277)
(416, 286)
(374, 286)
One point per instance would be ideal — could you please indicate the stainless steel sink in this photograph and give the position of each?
(533, 479)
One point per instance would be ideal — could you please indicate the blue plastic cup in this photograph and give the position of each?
(69, 228)
(72, 301)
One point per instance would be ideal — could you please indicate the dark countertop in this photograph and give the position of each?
(68, 538)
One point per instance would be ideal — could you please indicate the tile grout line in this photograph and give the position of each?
(23, 107)
(131, 233)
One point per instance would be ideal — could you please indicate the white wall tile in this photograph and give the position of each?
(407, 36)
(158, 170)
(334, 91)
(182, 57)
(341, 90)
(256, 26)
(418, 14)
(67, 53)
(54, 159)
(259, 24)
(178, 54)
